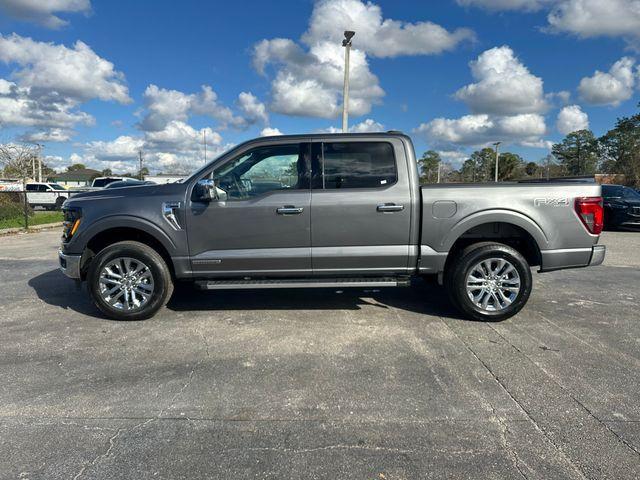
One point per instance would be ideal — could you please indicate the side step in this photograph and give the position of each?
(366, 282)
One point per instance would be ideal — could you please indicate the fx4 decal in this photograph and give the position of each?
(551, 202)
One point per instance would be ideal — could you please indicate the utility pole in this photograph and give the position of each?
(439, 163)
(39, 161)
(497, 144)
(140, 158)
(346, 43)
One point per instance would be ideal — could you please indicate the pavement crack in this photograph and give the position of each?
(97, 459)
(123, 431)
(515, 400)
(569, 394)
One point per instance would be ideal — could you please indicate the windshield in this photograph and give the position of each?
(631, 194)
(103, 182)
(55, 186)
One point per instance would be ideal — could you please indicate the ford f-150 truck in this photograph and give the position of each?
(341, 210)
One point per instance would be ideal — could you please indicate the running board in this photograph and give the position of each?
(303, 283)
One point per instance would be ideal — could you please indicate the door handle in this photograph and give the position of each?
(289, 210)
(390, 207)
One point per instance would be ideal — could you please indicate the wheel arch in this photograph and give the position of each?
(116, 229)
(503, 226)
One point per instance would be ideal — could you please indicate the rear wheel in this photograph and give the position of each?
(489, 281)
(129, 281)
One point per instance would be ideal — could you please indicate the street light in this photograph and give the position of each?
(40, 147)
(497, 144)
(346, 43)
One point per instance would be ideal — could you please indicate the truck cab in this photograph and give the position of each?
(325, 211)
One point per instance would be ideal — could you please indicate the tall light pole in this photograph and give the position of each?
(40, 146)
(346, 43)
(141, 162)
(497, 144)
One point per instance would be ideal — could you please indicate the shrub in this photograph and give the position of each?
(12, 205)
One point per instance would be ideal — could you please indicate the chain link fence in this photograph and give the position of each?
(21, 208)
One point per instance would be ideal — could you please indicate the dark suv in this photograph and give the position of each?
(621, 207)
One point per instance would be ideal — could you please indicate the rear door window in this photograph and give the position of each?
(358, 165)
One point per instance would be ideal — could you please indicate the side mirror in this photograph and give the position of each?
(205, 190)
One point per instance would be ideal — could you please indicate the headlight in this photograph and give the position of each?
(72, 218)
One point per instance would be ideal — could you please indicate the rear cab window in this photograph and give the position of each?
(357, 165)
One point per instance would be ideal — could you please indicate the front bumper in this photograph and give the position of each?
(70, 265)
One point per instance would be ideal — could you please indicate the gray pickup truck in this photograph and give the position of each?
(326, 211)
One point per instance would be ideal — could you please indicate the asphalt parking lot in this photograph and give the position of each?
(307, 384)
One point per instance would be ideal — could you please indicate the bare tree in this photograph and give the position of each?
(18, 160)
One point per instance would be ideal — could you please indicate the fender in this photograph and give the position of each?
(495, 216)
(125, 221)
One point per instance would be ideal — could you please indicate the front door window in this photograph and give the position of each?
(263, 170)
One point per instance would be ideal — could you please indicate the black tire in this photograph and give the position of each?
(162, 282)
(456, 280)
(59, 202)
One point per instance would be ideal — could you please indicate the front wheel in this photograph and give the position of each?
(489, 281)
(129, 281)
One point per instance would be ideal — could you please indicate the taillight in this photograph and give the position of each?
(590, 211)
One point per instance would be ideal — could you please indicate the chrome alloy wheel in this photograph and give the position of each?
(493, 284)
(126, 284)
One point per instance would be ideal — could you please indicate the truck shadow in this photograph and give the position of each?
(422, 297)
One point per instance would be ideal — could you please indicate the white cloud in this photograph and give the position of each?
(476, 130)
(367, 126)
(44, 12)
(610, 88)
(308, 81)
(506, 103)
(49, 84)
(77, 72)
(310, 84)
(163, 106)
(178, 148)
(583, 18)
(593, 18)
(571, 119)
(270, 132)
(504, 85)
(498, 5)
(375, 35)
(51, 135)
(253, 109)
(29, 107)
(455, 157)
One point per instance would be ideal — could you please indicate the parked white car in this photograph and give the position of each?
(51, 196)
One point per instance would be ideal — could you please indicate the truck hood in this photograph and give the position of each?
(133, 192)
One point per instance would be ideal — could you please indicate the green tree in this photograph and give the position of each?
(75, 166)
(428, 166)
(143, 172)
(578, 153)
(620, 148)
(510, 166)
(479, 167)
(106, 172)
(532, 169)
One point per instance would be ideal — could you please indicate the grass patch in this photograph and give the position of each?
(38, 218)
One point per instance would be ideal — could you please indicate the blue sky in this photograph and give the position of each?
(454, 74)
